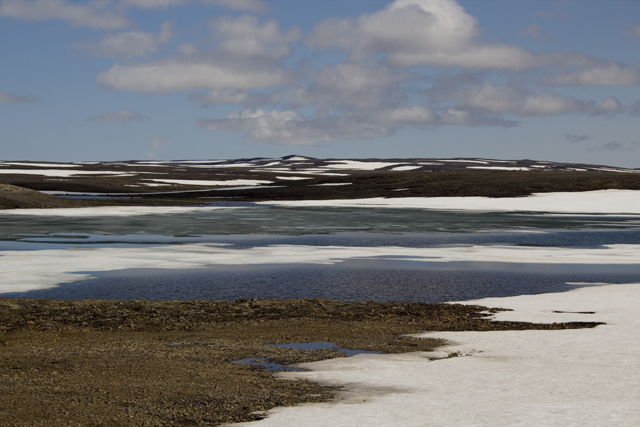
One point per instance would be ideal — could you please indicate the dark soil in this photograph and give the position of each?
(13, 197)
(135, 363)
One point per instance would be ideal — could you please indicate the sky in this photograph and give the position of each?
(555, 80)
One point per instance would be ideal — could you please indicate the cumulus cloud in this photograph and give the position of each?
(550, 103)
(611, 74)
(152, 4)
(191, 73)
(351, 86)
(373, 93)
(9, 98)
(420, 32)
(130, 44)
(92, 14)
(290, 127)
(608, 105)
(257, 6)
(248, 56)
(635, 109)
(121, 116)
(247, 36)
(490, 98)
(574, 139)
(231, 96)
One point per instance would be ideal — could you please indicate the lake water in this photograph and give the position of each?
(242, 229)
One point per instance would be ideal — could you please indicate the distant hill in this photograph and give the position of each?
(179, 182)
(12, 197)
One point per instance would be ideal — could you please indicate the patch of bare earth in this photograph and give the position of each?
(138, 363)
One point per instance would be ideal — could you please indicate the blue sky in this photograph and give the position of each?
(197, 79)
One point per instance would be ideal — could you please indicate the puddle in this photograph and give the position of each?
(267, 364)
(323, 345)
(270, 365)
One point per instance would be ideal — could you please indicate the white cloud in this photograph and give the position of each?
(550, 103)
(611, 74)
(414, 115)
(441, 33)
(249, 56)
(9, 98)
(635, 109)
(118, 116)
(491, 98)
(608, 105)
(193, 73)
(351, 86)
(188, 49)
(246, 36)
(92, 14)
(257, 6)
(290, 127)
(507, 99)
(636, 31)
(152, 4)
(130, 44)
(231, 96)
(420, 32)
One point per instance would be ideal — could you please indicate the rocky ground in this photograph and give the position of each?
(136, 363)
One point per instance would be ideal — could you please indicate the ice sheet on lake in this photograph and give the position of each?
(40, 269)
(42, 165)
(579, 377)
(600, 201)
(60, 172)
(123, 211)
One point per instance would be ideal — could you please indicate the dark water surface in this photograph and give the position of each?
(352, 280)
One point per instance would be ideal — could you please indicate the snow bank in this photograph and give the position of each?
(354, 164)
(579, 377)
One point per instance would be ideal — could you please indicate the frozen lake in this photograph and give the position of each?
(278, 251)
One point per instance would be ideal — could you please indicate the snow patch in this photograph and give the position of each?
(231, 182)
(596, 202)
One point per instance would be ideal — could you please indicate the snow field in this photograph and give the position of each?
(578, 377)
